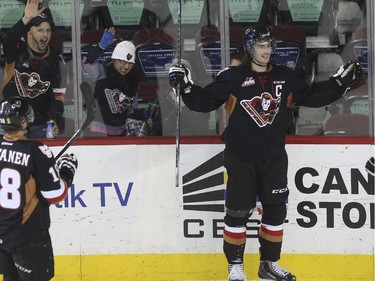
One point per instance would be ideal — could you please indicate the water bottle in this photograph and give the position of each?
(49, 131)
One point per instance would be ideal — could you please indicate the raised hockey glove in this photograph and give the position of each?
(107, 39)
(67, 165)
(370, 166)
(180, 74)
(348, 74)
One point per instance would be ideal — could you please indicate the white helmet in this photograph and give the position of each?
(125, 51)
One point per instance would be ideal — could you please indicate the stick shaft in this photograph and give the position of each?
(91, 113)
(178, 89)
(69, 143)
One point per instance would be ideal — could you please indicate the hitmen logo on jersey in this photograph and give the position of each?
(29, 85)
(262, 109)
(203, 187)
(118, 102)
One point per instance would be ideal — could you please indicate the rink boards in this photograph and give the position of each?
(125, 218)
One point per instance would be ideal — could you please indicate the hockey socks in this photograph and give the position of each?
(270, 239)
(234, 244)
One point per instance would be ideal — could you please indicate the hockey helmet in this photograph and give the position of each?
(125, 51)
(258, 34)
(15, 114)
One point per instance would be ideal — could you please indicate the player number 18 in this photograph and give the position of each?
(10, 182)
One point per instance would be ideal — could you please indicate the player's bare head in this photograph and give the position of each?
(15, 114)
(40, 33)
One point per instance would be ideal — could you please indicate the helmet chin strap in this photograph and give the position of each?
(258, 64)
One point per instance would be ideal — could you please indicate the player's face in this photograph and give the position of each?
(123, 67)
(39, 37)
(262, 52)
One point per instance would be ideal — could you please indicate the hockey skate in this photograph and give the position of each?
(269, 270)
(236, 272)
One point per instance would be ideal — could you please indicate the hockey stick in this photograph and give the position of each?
(178, 89)
(88, 98)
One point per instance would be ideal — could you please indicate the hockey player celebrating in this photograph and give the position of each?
(256, 95)
(31, 180)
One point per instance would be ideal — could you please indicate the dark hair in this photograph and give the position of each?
(236, 56)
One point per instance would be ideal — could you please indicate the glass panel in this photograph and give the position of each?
(41, 73)
(192, 11)
(155, 60)
(360, 52)
(315, 55)
(211, 57)
(245, 11)
(61, 11)
(10, 12)
(360, 106)
(286, 54)
(126, 12)
(305, 10)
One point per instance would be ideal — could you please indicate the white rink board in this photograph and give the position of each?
(124, 201)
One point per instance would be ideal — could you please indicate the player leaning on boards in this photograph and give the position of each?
(256, 95)
(30, 181)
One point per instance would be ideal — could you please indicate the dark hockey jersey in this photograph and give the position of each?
(256, 104)
(29, 184)
(117, 96)
(31, 75)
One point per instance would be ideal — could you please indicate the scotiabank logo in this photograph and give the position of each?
(203, 187)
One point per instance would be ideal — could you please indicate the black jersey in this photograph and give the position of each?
(117, 96)
(256, 104)
(29, 183)
(29, 74)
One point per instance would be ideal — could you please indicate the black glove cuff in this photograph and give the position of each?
(67, 175)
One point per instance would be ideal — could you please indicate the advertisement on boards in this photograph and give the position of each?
(124, 200)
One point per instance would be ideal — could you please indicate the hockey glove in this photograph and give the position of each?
(347, 75)
(370, 166)
(180, 74)
(67, 165)
(107, 39)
